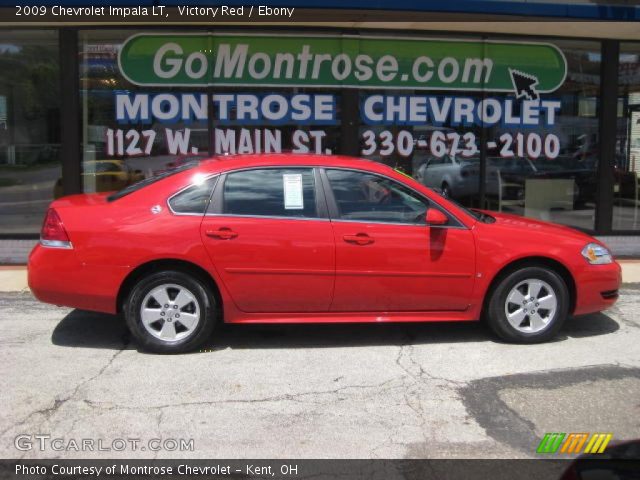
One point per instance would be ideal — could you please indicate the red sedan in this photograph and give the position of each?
(309, 239)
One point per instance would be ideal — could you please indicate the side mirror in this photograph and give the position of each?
(436, 217)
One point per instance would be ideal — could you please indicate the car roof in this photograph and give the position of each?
(233, 162)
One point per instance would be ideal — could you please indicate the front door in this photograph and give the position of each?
(387, 258)
(268, 241)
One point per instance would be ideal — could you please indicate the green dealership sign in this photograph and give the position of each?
(190, 60)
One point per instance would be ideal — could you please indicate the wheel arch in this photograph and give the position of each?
(446, 181)
(546, 262)
(167, 264)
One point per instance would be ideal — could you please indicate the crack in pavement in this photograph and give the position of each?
(48, 412)
(411, 397)
(295, 397)
(422, 373)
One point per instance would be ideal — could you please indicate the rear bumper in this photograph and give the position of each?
(56, 276)
(597, 287)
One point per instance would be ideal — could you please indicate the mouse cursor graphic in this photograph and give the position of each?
(523, 84)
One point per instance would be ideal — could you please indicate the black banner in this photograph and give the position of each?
(591, 468)
(27, 15)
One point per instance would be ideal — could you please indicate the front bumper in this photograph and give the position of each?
(597, 287)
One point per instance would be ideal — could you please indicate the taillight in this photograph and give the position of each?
(53, 233)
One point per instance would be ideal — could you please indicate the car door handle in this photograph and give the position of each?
(358, 239)
(222, 233)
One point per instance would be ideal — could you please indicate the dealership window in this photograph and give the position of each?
(442, 156)
(548, 170)
(30, 168)
(122, 141)
(140, 129)
(535, 135)
(418, 132)
(248, 120)
(626, 188)
(506, 124)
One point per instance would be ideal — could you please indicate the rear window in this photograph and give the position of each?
(151, 180)
(194, 199)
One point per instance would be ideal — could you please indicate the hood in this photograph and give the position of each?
(524, 224)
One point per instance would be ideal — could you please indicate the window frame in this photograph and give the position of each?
(187, 187)
(334, 211)
(216, 203)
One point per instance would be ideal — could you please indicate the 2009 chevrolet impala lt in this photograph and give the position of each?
(309, 239)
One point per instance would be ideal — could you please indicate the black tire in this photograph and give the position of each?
(206, 305)
(496, 314)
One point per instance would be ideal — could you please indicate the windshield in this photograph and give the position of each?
(150, 180)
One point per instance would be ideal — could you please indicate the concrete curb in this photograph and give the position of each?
(13, 278)
(630, 271)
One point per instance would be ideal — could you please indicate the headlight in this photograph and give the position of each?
(596, 254)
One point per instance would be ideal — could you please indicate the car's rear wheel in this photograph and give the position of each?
(528, 305)
(170, 312)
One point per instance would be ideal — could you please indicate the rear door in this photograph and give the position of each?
(268, 235)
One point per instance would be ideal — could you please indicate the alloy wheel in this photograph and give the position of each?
(531, 306)
(170, 312)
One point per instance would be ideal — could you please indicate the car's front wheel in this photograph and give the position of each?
(528, 305)
(170, 312)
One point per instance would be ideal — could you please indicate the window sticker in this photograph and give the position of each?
(293, 199)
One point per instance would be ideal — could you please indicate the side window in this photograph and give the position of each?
(271, 192)
(363, 196)
(194, 199)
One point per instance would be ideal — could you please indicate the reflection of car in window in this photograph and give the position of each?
(421, 138)
(104, 176)
(456, 177)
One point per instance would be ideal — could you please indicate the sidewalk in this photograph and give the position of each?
(13, 278)
(630, 270)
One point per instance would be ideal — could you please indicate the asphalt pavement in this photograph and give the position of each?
(339, 391)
